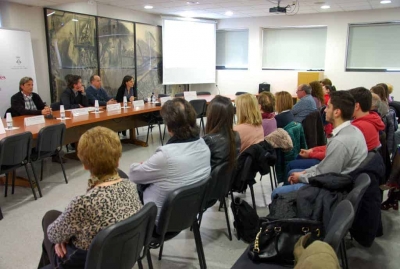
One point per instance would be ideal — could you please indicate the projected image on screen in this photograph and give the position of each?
(188, 52)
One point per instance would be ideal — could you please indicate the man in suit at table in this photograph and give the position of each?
(26, 102)
(96, 92)
(74, 96)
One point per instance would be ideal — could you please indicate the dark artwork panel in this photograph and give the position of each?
(72, 48)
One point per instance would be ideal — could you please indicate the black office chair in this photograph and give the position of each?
(178, 213)
(244, 180)
(15, 151)
(179, 94)
(199, 106)
(217, 190)
(9, 110)
(55, 106)
(122, 174)
(49, 143)
(120, 245)
(203, 93)
(240, 93)
(155, 118)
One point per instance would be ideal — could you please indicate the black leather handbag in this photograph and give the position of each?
(276, 239)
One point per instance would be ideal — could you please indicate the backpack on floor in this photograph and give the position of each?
(246, 220)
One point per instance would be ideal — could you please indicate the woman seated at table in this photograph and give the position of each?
(127, 89)
(283, 105)
(249, 121)
(108, 200)
(224, 143)
(266, 100)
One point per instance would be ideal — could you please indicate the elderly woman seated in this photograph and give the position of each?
(108, 200)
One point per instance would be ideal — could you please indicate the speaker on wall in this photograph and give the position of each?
(264, 87)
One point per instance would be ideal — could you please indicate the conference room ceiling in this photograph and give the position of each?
(217, 9)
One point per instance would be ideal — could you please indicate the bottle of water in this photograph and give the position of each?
(9, 121)
(96, 106)
(62, 112)
(153, 97)
(125, 102)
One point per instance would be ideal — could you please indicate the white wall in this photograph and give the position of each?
(230, 81)
(29, 18)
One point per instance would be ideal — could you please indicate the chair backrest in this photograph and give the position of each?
(15, 149)
(219, 184)
(360, 186)
(314, 130)
(50, 139)
(55, 106)
(122, 174)
(181, 208)
(120, 245)
(203, 93)
(240, 93)
(9, 110)
(179, 94)
(199, 106)
(339, 224)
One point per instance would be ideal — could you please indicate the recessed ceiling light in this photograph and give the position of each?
(325, 6)
(148, 7)
(229, 13)
(386, 2)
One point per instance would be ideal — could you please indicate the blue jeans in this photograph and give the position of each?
(286, 189)
(300, 164)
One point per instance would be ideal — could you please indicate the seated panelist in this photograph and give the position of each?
(26, 102)
(74, 96)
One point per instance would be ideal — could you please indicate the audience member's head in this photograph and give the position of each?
(95, 80)
(267, 102)
(326, 81)
(363, 99)
(380, 91)
(128, 82)
(390, 88)
(385, 87)
(26, 85)
(328, 89)
(220, 120)
(180, 118)
(340, 107)
(74, 82)
(303, 90)
(247, 110)
(317, 91)
(377, 105)
(67, 78)
(99, 150)
(283, 101)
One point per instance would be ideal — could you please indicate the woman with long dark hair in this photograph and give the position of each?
(224, 143)
(127, 89)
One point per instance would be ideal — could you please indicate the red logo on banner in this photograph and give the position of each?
(2, 77)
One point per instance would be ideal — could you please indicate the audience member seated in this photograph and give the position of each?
(266, 100)
(127, 89)
(306, 105)
(224, 143)
(108, 200)
(283, 105)
(345, 150)
(249, 126)
(317, 93)
(386, 88)
(26, 102)
(326, 81)
(327, 90)
(74, 96)
(184, 160)
(96, 92)
(390, 91)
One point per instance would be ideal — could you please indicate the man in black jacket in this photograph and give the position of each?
(26, 102)
(74, 96)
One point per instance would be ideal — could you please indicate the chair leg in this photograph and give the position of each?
(252, 196)
(13, 181)
(272, 183)
(149, 261)
(37, 181)
(148, 132)
(345, 260)
(200, 218)
(164, 133)
(274, 173)
(161, 138)
(6, 186)
(161, 250)
(30, 182)
(62, 167)
(199, 245)
(41, 169)
(227, 219)
(137, 131)
(140, 265)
